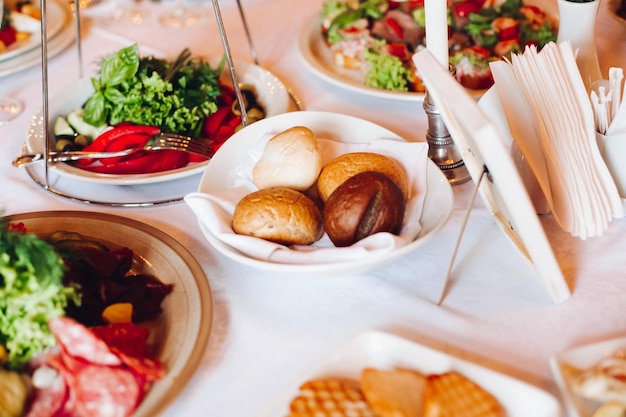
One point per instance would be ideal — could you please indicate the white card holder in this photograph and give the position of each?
(492, 169)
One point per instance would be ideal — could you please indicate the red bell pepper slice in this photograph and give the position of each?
(144, 162)
(132, 141)
(395, 26)
(213, 122)
(105, 139)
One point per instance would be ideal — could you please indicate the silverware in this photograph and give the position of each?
(159, 142)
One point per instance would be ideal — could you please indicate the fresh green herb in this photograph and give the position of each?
(31, 293)
(175, 96)
(386, 71)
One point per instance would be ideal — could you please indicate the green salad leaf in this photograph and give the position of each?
(31, 293)
(173, 95)
(385, 71)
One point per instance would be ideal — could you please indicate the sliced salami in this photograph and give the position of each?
(79, 341)
(48, 401)
(103, 391)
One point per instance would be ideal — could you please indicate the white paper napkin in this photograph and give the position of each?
(214, 210)
(552, 120)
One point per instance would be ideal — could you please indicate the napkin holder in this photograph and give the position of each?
(493, 171)
(613, 150)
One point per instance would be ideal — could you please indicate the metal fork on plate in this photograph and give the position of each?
(161, 141)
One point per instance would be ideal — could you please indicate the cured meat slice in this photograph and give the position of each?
(103, 391)
(78, 341)
(49, 400)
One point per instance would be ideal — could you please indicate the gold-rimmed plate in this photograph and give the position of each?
(179, 336)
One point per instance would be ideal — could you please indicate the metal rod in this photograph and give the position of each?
(44, 85)
(229, 60)
(79, 46)
(248, 35)
(458, 240)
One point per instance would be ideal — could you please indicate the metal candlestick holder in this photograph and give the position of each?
(441, 148)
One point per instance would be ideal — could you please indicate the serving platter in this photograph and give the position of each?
(56, 44)
(271, 92)
(582, 357)
(56, 13)
(438, 201)
(181, 333)
(317, 58)
(386, 351)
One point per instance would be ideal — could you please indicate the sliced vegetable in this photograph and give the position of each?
(76, 122)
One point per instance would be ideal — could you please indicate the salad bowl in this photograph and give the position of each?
(270, 91)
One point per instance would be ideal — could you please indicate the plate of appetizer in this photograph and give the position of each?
(142, 333)
(368, 49)
(21, 26)
(374, 367)
(204, 108)
(310, 154)
(591, 378)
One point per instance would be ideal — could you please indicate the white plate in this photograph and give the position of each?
(582, 357)
(271, 92)
(385, 351)
(56, 19)
(181, 332)
(55, 45)
(317, 58)
(438, 203)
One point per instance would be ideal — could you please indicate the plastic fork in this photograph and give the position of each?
(161, 141)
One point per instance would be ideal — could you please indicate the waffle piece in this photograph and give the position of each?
(330, 397)
(394, 393)
(452, 395)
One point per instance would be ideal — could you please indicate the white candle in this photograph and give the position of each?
(437, 29)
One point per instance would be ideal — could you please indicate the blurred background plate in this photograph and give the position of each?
(181, 333)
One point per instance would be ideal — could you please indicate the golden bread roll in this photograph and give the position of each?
(394, 393)
(330, 397)
(610, 409)
(337, 171)
(452, 394)
(290, 159)
(367, 203)
(279, 214)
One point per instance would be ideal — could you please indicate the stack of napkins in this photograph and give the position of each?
(552, 121)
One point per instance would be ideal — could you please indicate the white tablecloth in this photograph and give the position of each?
(267, 329)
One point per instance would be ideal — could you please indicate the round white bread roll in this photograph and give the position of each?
(279, 214)
(292, 159)
(345, 166)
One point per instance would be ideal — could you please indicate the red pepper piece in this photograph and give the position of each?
(144, 162)
(395, 26)
(467, 7)
(213, 122)
(8, 35)
(509, 33)
(101, 142)
(133, 141)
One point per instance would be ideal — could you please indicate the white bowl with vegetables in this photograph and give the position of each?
(72, 115)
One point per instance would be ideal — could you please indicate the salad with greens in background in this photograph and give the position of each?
(379, 37)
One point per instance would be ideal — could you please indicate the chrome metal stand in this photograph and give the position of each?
(441, 148)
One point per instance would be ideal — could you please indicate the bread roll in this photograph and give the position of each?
(291, 159)
(347, 165)
(280, 214)
(367, 203)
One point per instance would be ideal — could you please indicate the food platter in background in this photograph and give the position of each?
(181, 333)
(438, 202)
(271, 93)
(61, 33)
(317, 58)
(382, 350)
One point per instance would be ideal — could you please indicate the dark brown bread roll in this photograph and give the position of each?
(367, 203)
(279, 214)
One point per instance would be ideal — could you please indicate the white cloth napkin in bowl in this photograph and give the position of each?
(214, 210)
